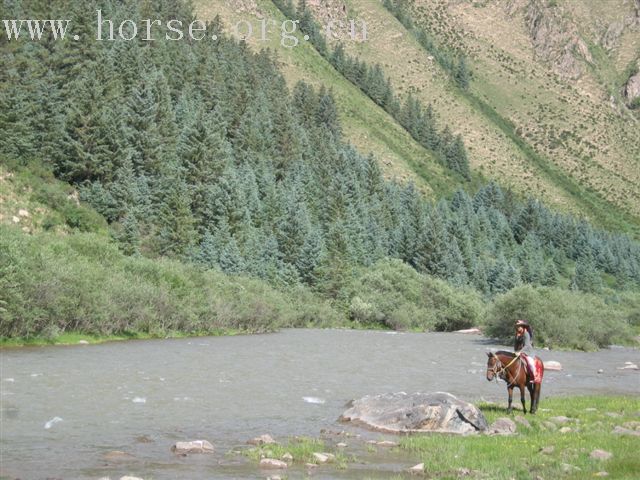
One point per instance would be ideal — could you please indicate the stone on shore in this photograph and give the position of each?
(472, 331)
(195, 446)
(552, 365)
(417, 469)
(618, 430)
(272, 464)
(416, 413)
(502, 426)
(265, 439)
(323, 457)
(601, 454)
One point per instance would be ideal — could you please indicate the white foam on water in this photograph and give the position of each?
(314, 400)
(8, 379)
(36, 374)
(52, 422)
(139, 400)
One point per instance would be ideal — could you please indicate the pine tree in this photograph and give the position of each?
(176, 233)
(503, 276)
(327, 114)
(586, 277)
(129, 238)
(461, 74)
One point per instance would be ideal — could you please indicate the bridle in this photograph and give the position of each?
(499, 370)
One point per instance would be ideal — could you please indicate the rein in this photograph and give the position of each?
(498, 369)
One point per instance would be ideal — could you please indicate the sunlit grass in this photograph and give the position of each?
(592, 420)
(300, 448)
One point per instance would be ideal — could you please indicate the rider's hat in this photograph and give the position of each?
(524, 323)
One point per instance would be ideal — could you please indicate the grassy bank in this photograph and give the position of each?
(565, 455)
(75, 338)
(549, 448)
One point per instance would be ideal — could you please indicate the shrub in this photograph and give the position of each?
(389, 294)
(50, 285)
(393, 294)
(453, 308)
(559, 318)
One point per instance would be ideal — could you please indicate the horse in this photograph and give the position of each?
(513, 369)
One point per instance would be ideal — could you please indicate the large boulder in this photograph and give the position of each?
(420, 412)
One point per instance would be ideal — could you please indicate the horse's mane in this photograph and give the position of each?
(505, 353)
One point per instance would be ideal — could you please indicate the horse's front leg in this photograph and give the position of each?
(510, 390)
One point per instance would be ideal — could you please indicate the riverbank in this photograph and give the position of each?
(570, 437)
(79, 338)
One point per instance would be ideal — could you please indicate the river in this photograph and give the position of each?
(63, 408)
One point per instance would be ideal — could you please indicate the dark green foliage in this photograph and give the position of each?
(586, 277)
(461, 74)
(392, 294)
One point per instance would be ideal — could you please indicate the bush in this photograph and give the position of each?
(453, 309)
(394, 295)
(389, 294)
(560, 318)
(50, 285)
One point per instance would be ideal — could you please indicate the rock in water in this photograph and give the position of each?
(420, 412)
(272, 463)
(195, 446)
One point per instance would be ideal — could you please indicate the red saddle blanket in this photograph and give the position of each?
(538, 371)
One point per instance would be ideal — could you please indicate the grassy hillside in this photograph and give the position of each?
(526, 122)
(575, 143)
(565, 105)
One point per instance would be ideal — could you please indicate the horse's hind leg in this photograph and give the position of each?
(536, 392)
(522, 399)
(532, 395)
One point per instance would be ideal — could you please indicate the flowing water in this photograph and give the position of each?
(64, 408)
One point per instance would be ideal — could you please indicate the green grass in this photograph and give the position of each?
(300, 448)
(590, 203)
(520, 456)
(502, 103)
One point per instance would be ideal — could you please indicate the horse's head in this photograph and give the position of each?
(493, 366)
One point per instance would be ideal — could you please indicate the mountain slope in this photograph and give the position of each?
(541, 126)
(365, 124)
(579, 151)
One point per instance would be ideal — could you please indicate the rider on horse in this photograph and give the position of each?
(523, 345)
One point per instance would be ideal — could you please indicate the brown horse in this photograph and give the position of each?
(513, 370)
